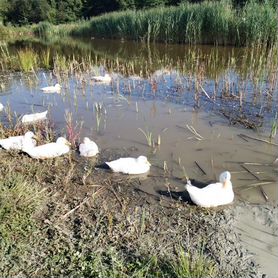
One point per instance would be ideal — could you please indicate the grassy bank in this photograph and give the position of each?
(12, 32)
(61, 217)
(202, 23)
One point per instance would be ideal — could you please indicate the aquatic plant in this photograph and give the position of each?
(206, 22)
(45, 59)
(148, 135)
(274, 126)
(28, 59)
(73, 131)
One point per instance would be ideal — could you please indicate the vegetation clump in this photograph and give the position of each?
(61, 217)
(202, 23)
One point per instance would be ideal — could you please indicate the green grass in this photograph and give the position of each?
(14, 33)
(20, 201)
(42, 234)
(202, 23)
(34, 240)
(28, 60)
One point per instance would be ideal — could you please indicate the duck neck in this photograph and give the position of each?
(226, 184)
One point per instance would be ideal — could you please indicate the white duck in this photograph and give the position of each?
(104, 79)
(18, 142)
(52, 89)
(1, 107)
(88, 148)
(130, 165)
(50, 150)
(215, 194)
(34, 117)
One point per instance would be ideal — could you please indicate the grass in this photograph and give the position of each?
(55, 222)
(200, 23)
(35, 241)
(14, 32)
(20, 201)
(27, 60)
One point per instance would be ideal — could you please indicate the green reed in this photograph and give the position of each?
(207, 22)
(28, 60)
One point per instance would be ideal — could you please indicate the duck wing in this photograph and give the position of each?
(49, 150)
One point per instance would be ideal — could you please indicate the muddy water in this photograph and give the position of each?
(163, 106)
(217, 146)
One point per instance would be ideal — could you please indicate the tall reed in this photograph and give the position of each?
(28, 59)
(206, 22)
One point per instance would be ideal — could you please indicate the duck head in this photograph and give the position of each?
(144, 160)
(29, 135)
(63, 141)
(86, 140)
(225, 178)
(58, 86)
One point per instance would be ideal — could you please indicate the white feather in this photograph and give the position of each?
(29, 118)
(18, 142)
(52, 89)
(50, 150)
(104, 79)
(88, 148)
(215, 194)
(130, 165)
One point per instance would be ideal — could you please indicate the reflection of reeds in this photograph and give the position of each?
(99, 110)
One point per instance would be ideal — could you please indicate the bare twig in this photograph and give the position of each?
(200, 168)
(203, 90)
(115, 194)
(263, 192)
(193, 130)
(242, 137)
(246, 187)
(250, 172)
(258, 139)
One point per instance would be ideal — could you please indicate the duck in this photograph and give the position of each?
(18, 142)
(214, 194)
(34, 117)
(88, 148)
(1, 107)
(52, 89)
(104, 79)
(50, 150)
(130, 165)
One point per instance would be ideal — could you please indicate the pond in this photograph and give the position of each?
(194, 111)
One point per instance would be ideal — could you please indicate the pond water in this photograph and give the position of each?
(200, 107)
